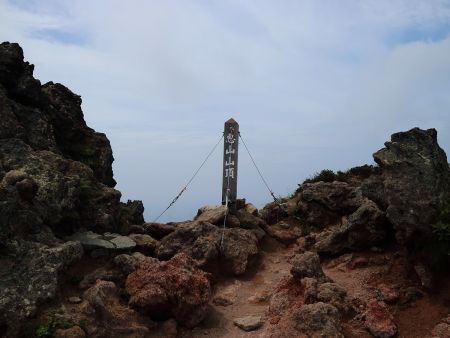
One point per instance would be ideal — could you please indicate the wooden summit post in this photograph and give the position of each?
(230, 163)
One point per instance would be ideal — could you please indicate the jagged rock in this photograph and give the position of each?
(334, 294)
(211, 213)
(415, 179)
(251, 209)
(283, 232)
(103, 314)
(308, 265)
(363, 228)
(203, 242)
(113, 242)
(248, 323)
(310, 289)
(173, 288)
(273, 213)
(249, 221)
(31, 279)
(318, 320)
(144, 243)
(324, 203)
(158, 230)
(379, 321)
(65, 166)
(135, 210)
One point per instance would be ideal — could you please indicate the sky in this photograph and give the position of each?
(313, 84)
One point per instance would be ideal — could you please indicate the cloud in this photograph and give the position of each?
(313, 84)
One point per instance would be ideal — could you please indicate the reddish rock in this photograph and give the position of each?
(175, 288)
(379, 320)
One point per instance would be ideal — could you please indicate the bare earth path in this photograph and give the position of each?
(250, 293)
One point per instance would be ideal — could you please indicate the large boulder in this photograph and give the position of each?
(307, 265)
(175, 288)
(213, 249)
(416, 181)
(324, 203)
(54, 169)
(366, 227)
(28, 278)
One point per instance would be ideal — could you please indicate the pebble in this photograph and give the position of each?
(248, 323)
(74, 300)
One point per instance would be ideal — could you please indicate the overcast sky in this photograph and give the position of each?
(313, 84)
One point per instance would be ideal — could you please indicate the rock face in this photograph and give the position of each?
(55, 177)
(54, 169)
(416, 179)
(175, 288)
(402, 196)
(31, 279)
(203, 242)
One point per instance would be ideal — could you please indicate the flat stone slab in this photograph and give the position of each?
(91, 241)
(248, 323)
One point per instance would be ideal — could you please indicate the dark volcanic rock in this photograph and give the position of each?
(55, 177)
(366, 227)
(30, 279)
(416, 179)
(319, 320)
(54, 169)
(204, 243)
(307, 265)
(173, 288)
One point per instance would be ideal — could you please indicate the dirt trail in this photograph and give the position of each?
(251, 293)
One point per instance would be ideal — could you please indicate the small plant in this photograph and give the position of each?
(42, 331)
(325, 175)
(48, 328)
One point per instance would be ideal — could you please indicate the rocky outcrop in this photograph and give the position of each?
(175, 288)
(54, 169)
(415, 179)
(402, 196)
(55, 177)
(213, 249)
(102, 314)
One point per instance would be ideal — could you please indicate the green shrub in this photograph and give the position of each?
(43, 330)
(48, 328)
(325, 175)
